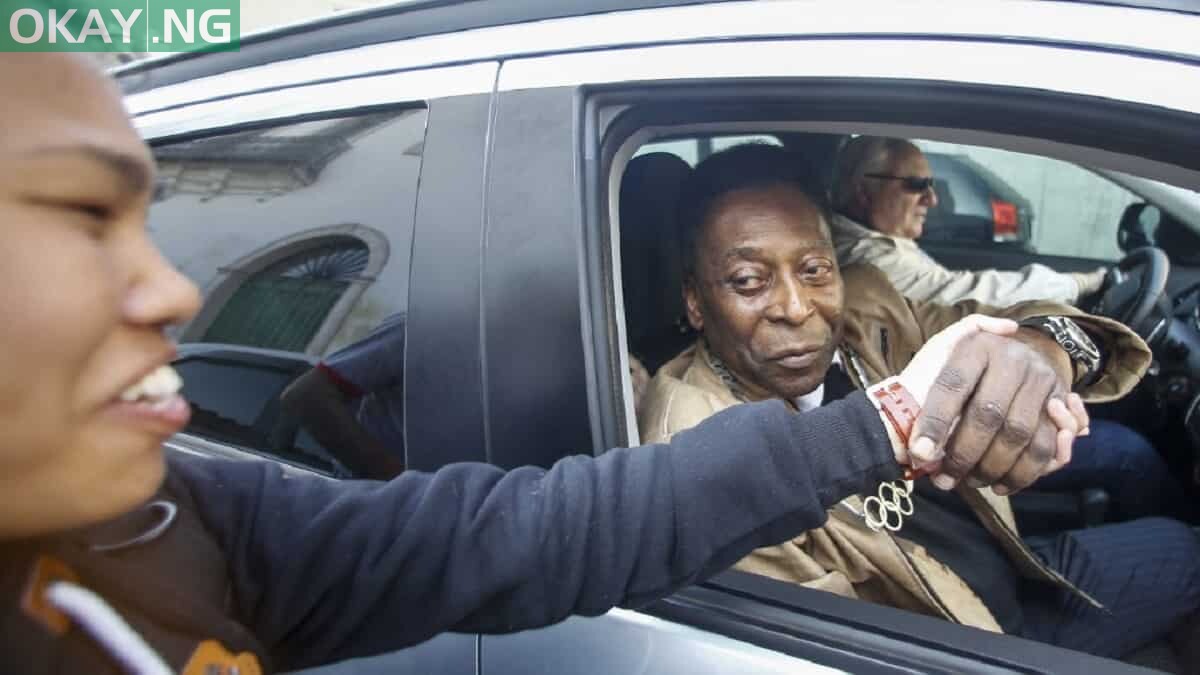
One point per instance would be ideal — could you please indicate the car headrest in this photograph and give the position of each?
(651, 269)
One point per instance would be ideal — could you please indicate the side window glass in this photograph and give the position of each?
(299, 236)
(1038, 204)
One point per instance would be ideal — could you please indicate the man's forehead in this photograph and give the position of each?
(910, 158)
(748, 216)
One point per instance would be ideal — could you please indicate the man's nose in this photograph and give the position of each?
(159, 295)
(929, 197)
(790, 302)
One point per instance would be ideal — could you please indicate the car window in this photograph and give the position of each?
(299, 236)
(1045, 206)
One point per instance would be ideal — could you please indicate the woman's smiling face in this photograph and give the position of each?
(84, 298)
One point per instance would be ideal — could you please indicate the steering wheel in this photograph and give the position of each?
(1135, 287)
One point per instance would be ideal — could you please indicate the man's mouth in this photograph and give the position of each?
(797, 359)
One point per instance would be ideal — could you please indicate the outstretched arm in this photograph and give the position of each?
(327, 570)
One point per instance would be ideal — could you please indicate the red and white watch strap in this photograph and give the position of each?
(897, 403)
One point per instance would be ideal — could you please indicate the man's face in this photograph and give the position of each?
(766, 291)
(84, 296)
(890, 206)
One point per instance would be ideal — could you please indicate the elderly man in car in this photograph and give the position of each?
(778, 319)
(882, 193)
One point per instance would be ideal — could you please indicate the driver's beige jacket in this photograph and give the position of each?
(883, 331)
(916, 275)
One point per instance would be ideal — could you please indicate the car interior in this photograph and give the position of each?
(1137, 292)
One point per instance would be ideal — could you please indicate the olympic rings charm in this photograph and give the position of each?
(887, 509)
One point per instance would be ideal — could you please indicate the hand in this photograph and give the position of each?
(641, 382)
(925, 367)
(1001, 413)
(1090, 282)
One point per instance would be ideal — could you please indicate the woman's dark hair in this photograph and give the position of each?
(741, 167)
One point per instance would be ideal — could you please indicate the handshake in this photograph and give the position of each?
(995, 407)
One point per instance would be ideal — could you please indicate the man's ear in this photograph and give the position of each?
(862, 200)
(691, 300)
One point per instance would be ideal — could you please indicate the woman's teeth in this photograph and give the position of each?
(156, 387)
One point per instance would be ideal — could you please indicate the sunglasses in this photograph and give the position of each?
(909, 183)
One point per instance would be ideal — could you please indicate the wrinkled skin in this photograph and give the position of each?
(766, 291)
(766, 285)
(885, 206)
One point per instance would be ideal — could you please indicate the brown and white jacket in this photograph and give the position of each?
(883, 331)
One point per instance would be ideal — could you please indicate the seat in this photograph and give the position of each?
(651, 269)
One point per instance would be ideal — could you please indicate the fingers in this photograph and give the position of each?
(986, 415)
(994, 324)
(950, 336)
(1031, 464)
(1075, 405)
(1050, 449)
(1019, 428)
(1068, 427)
(948, 395)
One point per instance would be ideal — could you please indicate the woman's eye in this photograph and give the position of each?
(95, 218)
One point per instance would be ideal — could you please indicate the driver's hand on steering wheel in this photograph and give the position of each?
(1091, 284)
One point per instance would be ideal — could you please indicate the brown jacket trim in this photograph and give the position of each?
(45, 571)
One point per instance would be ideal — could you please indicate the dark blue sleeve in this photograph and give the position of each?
(327, 570)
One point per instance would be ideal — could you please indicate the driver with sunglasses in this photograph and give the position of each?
(882, 191)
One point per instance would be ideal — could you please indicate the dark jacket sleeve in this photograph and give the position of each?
(325, 570)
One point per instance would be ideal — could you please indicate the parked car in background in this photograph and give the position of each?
(974, 204)
(462, 161)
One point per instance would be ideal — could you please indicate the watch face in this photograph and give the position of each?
(1073, 340)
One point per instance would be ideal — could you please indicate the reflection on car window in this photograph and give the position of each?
(1042, 205)
(299, 234)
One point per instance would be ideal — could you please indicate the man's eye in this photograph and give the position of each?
(818, 271)
(746, 282)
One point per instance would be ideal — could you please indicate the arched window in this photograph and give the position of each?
(286, 303)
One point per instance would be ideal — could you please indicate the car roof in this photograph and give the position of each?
(407, 19)
(373, 25)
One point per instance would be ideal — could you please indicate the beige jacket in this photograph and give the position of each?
(882, 333)
(920, 277)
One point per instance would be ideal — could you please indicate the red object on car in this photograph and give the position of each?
(1007, 227)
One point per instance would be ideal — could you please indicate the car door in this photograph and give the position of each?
(515, 349)
(295, 205)
(621, 99)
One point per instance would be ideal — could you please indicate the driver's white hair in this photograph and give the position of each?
(860, 156)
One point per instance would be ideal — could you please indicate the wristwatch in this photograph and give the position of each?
(898, 405)
(1084, 355)
(892, 502)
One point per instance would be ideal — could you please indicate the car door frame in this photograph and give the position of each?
(612, 101)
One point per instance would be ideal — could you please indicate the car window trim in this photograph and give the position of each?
(320, 100)
(320, 50)
(1065, 71)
